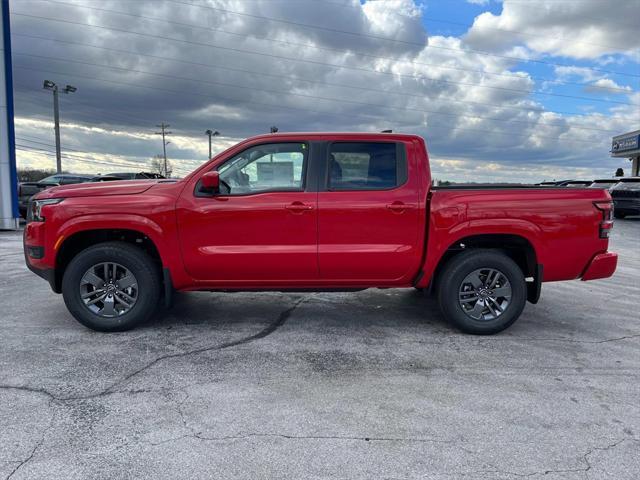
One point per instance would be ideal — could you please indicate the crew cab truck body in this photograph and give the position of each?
(314, 212)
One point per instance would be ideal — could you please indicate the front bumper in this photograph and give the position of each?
(601, 266)
(49, 274)
(35, 254)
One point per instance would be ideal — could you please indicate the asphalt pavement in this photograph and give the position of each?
(363, 385)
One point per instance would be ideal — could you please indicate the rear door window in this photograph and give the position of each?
(366, 166)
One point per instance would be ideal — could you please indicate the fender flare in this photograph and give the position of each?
(133, 222)
(440, 240)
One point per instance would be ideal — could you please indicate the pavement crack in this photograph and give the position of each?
(22, 463)
(584, 459)
(268, 330)
(321, 437)
(567, 340)
(24, 388)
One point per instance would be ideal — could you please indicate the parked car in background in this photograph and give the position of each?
(127, 176)
(67, 178)
(551, 183)
(26, 190)
(563, 183)
(604, 183)
(626, 197)
(577, 183)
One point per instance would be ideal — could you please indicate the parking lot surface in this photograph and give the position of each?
(323, 385)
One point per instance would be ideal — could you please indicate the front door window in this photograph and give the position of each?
(265, 168)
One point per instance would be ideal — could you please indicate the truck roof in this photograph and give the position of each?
(341, 135)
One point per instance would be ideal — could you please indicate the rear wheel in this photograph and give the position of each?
(111, 287)
(482, 291)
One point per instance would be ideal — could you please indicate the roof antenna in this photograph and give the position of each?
(386, 131)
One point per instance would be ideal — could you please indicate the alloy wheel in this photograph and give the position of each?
(109, 289)
(485, 294)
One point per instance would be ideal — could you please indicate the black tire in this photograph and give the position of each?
(144, 269)
(619, 214)
(451, 280)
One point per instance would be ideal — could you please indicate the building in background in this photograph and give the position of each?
(8, 176)
(628, 145)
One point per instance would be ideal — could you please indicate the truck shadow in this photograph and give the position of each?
(373, 312)
(401, 308)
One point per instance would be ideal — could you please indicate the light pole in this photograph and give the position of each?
(49, 85)
(211, 133)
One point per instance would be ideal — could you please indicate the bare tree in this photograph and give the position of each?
(33, 174)
(157, 166)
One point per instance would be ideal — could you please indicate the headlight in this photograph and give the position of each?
(35, 208)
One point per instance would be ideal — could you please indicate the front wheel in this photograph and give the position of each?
(111, 287)
(482, 291)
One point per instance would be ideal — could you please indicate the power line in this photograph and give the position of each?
(334, 30)
(118, 163)
(138, 167)
(415, 77)
(288, 77)
(108, 114)
(315, 97)
(307, 110)
(78, 157)
(317, 47)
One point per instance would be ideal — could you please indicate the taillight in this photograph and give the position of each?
(607, 217)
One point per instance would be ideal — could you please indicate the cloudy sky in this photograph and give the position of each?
(511, 90)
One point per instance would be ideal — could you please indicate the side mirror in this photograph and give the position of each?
(211, 182)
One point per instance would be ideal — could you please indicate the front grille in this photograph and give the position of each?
(29, 215)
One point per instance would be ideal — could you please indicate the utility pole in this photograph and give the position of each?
(49, 85)
(211, 133)
(164, 132)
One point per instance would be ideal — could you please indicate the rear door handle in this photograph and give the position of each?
(400, 206)
(298, 207)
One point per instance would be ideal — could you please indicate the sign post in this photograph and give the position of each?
(8, 175)
(628, 145)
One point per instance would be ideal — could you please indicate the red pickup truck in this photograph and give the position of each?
(314, 212)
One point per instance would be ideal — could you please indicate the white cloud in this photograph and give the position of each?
(606, 84)
(578, 29)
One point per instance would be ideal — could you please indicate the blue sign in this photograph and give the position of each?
(625, 144)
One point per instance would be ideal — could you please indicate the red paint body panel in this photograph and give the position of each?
(343, 239)
(249, 238)
(363, 238)
(561, 224)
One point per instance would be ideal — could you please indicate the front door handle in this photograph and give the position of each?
(298, 207)
(400, 207)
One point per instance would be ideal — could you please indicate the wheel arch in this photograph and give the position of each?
(80, 239)
(517, 247)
